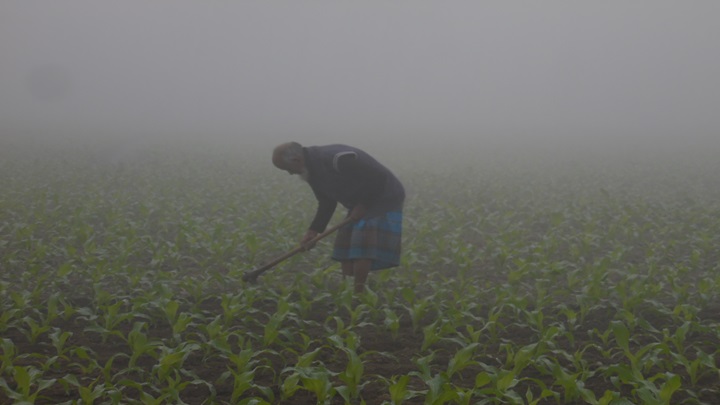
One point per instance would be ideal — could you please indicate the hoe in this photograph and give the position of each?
(253, 275)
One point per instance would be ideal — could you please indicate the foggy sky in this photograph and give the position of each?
(322, 71)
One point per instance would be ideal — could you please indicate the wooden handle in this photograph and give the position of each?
(253, 275)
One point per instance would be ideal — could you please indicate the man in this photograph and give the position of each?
(372, 194)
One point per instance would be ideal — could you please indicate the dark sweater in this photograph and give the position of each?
(348, 175)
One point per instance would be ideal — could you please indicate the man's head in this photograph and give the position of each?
(289, 157)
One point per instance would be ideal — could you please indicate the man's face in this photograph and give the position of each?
(300, 170)
(295, 167)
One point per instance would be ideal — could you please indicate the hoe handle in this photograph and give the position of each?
(253, 275)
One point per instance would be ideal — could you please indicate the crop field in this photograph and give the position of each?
(523, 281)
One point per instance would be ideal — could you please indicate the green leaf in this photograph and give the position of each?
(482, 379)
(670, 387)
(171, 309)
(506, 381)
(398, 389)
(622, 335)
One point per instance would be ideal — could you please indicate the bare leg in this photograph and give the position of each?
(361, 268)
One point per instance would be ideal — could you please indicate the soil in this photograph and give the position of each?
(383, 355)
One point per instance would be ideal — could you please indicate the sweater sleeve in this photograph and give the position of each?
(371, 178)
(325, 210)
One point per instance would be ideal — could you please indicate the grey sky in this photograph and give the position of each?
(338, 71)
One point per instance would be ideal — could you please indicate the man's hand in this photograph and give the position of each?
(358, 212)
(305, 241)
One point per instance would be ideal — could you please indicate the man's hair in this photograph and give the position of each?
(293, 151)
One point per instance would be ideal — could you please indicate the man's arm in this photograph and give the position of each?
(325, 210)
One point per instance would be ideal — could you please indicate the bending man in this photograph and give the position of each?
(372, 194)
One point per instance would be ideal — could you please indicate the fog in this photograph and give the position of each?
(472, 76)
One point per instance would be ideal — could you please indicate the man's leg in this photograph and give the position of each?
(361, 269)
(347, 268)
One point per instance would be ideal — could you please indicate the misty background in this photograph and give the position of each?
(467, 76)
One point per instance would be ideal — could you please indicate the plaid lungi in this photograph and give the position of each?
(376, 238)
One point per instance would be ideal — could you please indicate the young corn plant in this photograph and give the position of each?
(352, 376)
(84, 360)
(318, 380)
(291, 383)
(88, 394)
(140, 344)
(178, 322)
(462, 359)
(34, 329)
(399, 390)
(649, 393)
(171, 360)
(243, 369)
(215, 337)
(417, 310)
(28, 384)
(9, 318)
(572, 383)
(435, 332)
(233, 306)
(173, 385)
(703, 365)
(353, 373)
(439, 388)
(107, 323)
(242, 372)
(498, 385)
(59, 340)
(272, 326)
(8, 356)
(392, 322)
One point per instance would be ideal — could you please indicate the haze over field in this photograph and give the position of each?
(484, 75)
(560, 226)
